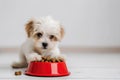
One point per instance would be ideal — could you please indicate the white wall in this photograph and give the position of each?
(87, 22)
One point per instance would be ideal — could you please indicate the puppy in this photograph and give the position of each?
(44, 35)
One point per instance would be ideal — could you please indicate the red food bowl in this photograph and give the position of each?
(47, 69)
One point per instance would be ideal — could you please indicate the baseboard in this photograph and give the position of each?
(91, 49)
(71, 49)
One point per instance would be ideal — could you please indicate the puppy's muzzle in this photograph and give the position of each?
(44, 44)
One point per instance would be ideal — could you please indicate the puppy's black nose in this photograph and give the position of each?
(45, 44)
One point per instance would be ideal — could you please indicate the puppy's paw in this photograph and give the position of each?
(34, 57)
(60, 56)
(19, 65)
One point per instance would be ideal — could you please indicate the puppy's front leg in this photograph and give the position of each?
(22, 63)
(33, 57)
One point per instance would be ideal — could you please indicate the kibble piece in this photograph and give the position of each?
(42, 57)
(58, 60)
(61, 59)
(46, 61)
(42, 60)
(17, 73)
(53, 60)
(48, 58)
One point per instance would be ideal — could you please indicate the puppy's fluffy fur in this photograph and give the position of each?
(44, 35)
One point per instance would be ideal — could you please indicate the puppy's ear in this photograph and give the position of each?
(29, 28)
(62, 32)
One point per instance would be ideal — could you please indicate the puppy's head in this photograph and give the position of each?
(46, 33)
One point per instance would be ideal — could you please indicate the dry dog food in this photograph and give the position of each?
(17, 73)
(48, 59)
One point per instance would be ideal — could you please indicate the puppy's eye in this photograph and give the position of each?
(39, 35)
(51, 36)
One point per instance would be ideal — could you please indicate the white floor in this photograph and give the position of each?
(83, 66)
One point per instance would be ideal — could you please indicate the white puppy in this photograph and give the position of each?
(44, 35)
